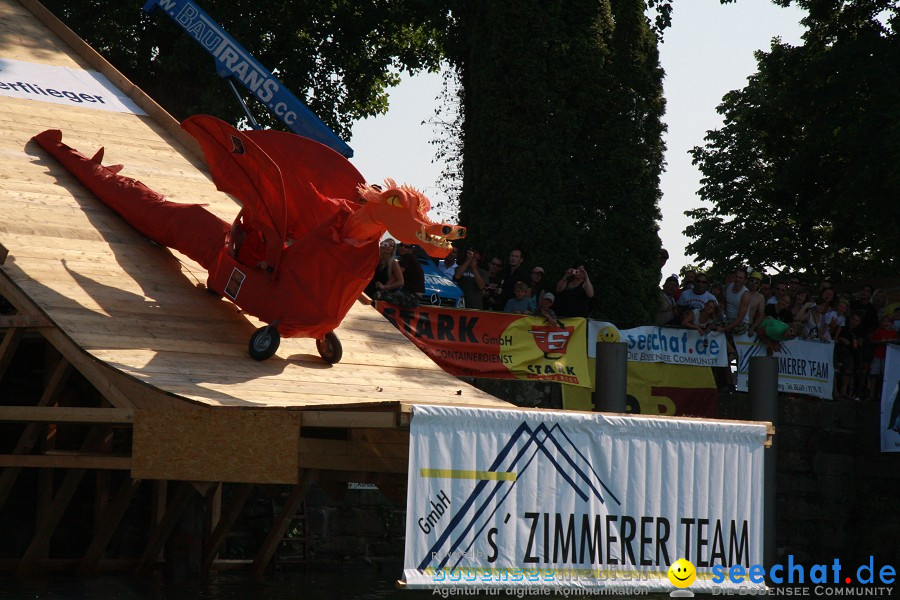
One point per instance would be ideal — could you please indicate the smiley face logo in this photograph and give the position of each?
(682, 573)
(608, 334)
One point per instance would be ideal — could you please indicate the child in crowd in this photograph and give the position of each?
(545, 308)
(521, 304)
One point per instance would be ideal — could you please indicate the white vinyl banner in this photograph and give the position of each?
(506, 498)
(62, 85)
(672, 345)
(890, 401)
(804, 367)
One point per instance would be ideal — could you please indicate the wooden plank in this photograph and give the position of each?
(281, 523)
(110, 522)
(244, 446)
(380, 436)
(66, 461)
(343, 455)
(333, 418)
(225, 523)
(99, 63)
(67, 414)
(164, 528)
(23, 321)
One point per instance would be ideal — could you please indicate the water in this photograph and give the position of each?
(346, 584)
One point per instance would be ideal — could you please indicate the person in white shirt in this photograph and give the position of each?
(698, 295)
(448, 265)
(737, 305)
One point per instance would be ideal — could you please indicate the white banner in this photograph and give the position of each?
(62, 85)
(505, 498)
(804, 367)
(672, 345)
(890, 401)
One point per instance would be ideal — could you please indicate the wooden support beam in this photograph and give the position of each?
(226, 522)
(163, 529)
(47, 525)
(282, 521)
(4, 252)
(213, 508)
(29, 437)
(353, 455)
(49, 519)
(59, 460)
(108, 526)
(333, 418)
(101, 498)
(67, 414)
(8, 348)
(88, 366)
(23, 322)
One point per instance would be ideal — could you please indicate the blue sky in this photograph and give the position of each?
(708, 52)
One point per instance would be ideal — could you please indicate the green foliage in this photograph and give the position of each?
(804, 176)
(338, 56)
(562, 141)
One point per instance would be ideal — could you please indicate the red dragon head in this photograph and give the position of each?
(403, 211)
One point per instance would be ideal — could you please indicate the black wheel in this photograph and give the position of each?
(330, 348)
(264, 342)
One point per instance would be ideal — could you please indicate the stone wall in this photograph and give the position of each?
(838, 495)
(354, 525)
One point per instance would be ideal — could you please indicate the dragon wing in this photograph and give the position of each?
(240, 168)
(316, 178)
(288, 184)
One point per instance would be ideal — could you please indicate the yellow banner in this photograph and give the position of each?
(474, 343)
(658, 389)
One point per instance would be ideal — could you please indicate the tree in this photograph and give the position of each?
(805, 173)
(562, 128)
(338, 56)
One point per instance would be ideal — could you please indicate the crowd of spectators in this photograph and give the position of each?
(512, 287)
(860, 324)
(492, 285)
(746, 302)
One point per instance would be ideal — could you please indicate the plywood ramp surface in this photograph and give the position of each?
(140, 313)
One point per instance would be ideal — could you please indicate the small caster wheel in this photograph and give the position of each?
(330, 348)
(264, 342)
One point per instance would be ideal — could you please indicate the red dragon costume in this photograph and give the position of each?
(304, 245)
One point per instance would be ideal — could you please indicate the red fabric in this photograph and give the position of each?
(289, 185)
(317, 277)
(189, 228)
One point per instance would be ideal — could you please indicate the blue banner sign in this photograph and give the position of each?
(233, 61)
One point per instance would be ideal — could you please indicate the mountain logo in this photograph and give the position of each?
(545, 444)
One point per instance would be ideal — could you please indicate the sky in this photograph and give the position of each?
(706, 53)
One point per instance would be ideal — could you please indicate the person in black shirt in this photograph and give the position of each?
(573, 293)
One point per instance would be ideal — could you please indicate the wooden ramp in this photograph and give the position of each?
(116, 362)
(135, 319)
